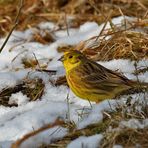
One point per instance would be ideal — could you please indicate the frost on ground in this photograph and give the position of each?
(15, 122)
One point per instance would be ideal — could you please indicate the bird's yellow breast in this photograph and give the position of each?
(81, 91)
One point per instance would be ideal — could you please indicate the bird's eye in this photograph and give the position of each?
(70, 57)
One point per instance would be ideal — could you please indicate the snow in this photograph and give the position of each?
(7, 79)
(18, 98)
(89, 142)
(118, 64)
(45, 137)
(117, 146)
(134, 124)
(15, 122)
(23, 119)
(47, 25)
(96, 114)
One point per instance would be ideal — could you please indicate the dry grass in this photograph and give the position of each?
(133, 138)
(31, 88)
(123, 43)
(36, 11)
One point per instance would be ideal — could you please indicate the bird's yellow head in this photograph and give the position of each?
(72, 59)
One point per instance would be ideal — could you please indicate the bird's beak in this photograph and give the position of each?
(61, 59)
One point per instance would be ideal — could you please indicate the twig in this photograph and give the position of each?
(18, 143)
(14, 26)
(145, 15)
(36, 60)
(18, 55)
(66, 23)
(68, 106)
(106, 21)
(93, 5)
(123, 17)
(48, 71)
(102, 30)
(141, 5)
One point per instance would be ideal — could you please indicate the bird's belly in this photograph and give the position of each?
(88, 93)
(90, 96)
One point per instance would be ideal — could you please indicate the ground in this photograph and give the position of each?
(37, 108)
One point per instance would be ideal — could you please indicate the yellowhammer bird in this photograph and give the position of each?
(91, 81)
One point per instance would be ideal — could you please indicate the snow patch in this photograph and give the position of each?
(45, 137)
(18, 98)
(134, 124)
(89, 142)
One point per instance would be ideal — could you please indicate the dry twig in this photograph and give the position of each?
(14, 26)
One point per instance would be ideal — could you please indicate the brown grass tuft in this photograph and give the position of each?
(32, 88)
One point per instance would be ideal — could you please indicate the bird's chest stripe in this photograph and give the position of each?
(74, 85)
